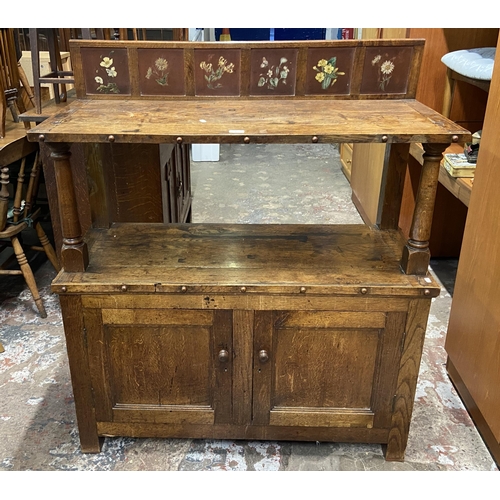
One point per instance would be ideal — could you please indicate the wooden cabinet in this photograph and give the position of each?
(262, 331)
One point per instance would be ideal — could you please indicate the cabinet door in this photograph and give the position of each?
(159, 365)
(326, 369)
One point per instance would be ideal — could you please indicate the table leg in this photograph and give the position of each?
(416, 255)
(74, 252)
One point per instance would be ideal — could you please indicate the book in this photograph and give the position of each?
(457, 165)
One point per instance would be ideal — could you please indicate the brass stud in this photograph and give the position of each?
(64, 289)
(385, 138)
(364, 290)
(302, 289)
(315, 139)
(124, 288)
(179, 140)
(183, 288)
(246, 140)
(41, 138)
(455, 138)
(111, 138)
(243, 289)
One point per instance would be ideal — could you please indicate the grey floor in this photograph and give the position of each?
(250, 184)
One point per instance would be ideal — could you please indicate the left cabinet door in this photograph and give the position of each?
(160, 366)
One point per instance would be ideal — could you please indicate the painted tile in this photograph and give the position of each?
(161, 71)
(273, 71)
(386, 70)
(329, 71)
(105, 71)
(217, 72)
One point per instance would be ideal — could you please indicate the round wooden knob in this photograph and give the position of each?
(302, 289)
(364, 290)
(263, 356)
(314, 139)
(41, 138)
(455, 138)
(427, 291)
(111, 138)
(246, 140)
(243, 289)
(64, 289)
(385, 138)
(124, 288)
(223, 356)
(183, 288)
(179, 140)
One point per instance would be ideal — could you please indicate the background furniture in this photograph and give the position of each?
(301, 332)
(469, 103)
(472, 340)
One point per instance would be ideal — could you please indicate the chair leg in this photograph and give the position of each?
(28, 275)
(49, 249)
(1, 348)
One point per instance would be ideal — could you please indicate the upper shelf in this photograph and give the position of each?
(238, 121)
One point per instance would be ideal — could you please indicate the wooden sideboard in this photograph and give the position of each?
(296, 332)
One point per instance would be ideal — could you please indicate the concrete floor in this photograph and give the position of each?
(250, 184)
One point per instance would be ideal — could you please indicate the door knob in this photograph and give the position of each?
(263, 356)
(223, 356)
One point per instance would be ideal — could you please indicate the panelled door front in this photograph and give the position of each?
(160, 365)
(326, 369)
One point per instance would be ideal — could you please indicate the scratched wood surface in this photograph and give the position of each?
(233, 121)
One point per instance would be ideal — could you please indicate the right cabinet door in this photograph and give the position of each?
(326, 368)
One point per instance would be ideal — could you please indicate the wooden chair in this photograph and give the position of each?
(16, 217)
(10, 79)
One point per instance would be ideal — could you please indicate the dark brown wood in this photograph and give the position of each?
(416, 253)
(76, 343)
(74, 252)
(246, 331)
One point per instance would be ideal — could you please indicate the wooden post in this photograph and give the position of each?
(74, 252)
(416, 255)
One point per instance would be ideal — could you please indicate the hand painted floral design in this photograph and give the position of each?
(385, 70)
(327, 73)
(105, 85)
(214, 75)
(274, 74)
(159, 71)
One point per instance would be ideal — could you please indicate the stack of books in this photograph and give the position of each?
(457, 165)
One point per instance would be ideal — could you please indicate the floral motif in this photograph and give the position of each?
(327, 73)
(108, 71)
(214, 75)
(385, 70)
(274, 75)
(159, 70)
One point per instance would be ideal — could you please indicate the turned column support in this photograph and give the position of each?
(74, 252)
(4, 196)
(416, 255)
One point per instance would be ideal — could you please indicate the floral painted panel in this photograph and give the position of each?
(105, 71)
(273, 71)
(329, 71)
(161, 71)
(217, 72)
(386, 70)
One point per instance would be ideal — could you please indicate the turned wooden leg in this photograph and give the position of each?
(4, 196)
(416, 255)
(28, 274)
(49, 250)
(74, 252)
(1, 348)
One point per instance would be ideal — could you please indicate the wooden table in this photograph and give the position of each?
(296, 332)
